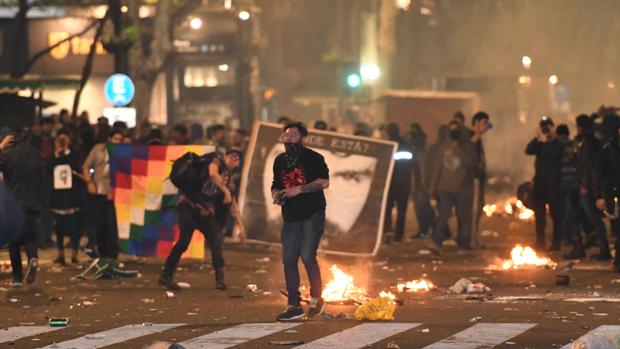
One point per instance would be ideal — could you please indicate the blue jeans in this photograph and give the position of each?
(464, 217)
(301, 239)
(423, 210)
(594, 216)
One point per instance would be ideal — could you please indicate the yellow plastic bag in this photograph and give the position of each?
(379, 308)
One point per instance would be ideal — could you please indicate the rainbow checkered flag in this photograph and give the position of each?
(145, 199)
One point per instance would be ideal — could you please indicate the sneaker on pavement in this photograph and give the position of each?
(291, 312)
(17, 283)
(220, 285)
(31, 272)
(317, 305)
(169, 283)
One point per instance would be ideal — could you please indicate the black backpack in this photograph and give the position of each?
(185, 173)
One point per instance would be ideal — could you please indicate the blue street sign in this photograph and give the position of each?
(119, 90)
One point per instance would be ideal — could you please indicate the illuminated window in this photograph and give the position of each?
(208, 75)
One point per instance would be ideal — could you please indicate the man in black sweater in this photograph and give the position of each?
(299, 177)
(548, 151)
(22, 168)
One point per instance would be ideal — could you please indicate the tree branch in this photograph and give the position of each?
(47, 50)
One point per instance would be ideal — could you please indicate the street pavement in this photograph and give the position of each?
(524, 309)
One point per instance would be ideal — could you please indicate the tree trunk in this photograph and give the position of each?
(144, 69)
(88, 64)
(21, 37)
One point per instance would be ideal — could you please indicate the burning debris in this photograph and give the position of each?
(511, 207)
(524, 257)
(415, 286)
(341, 288)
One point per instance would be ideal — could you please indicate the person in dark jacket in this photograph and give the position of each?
(452, 182)
(569, 193)
(400, 185)
(587, 152)
(419, 194)
(548, 151)
(22, 168)
(606, 186)
(66, 195)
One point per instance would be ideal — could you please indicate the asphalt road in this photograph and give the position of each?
(525, 308)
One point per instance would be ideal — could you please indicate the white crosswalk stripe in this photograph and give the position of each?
(359, 336)
(14, 333)
(113, 336)
(235, 335)
(481, 336)
(478, 336)
(605, 336)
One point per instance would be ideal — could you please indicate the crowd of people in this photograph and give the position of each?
(578, 179)
(57, 172)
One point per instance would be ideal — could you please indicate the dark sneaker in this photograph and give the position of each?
(291, 312)
(317, 305)
(17, 283)
(31, 272)
(60, 260)
(169, 283)
(220, 285)
(602, 257)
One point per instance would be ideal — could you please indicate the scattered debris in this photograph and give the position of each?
(95, 336)
(379, 308)
(426, 330)
(424, 252)
(191, 314)
(392, 345)
(184, 284)
(59, 322)
(464, 285)
(148, 300)
(263, 260)
(251, 288)
(600, 314)
(562, 280)
(169, 294)
(286, 342)
(332, 316)
(475, 319)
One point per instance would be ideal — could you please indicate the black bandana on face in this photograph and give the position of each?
(292, 154)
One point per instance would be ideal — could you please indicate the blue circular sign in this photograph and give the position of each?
(119, 90)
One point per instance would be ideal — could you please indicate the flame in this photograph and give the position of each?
(388, 294)
(525, 256)
(489, 210)
(415, 286)
(510, 207)
(341, 287)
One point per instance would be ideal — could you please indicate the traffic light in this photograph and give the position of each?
(354, 80)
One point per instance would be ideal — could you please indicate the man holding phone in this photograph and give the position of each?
(548, 151)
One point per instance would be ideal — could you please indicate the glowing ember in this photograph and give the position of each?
(415, 286)
(489, 210)
(526, 257)
(389, 295)
(510, 207)
(341, 287)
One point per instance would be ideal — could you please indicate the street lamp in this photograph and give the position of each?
(370, 71)
(553, 79)
(244, 15)
(195, 23)
(526, 61)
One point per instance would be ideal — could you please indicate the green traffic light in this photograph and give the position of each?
(354, 80)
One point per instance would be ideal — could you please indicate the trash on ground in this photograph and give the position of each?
(169, 294)
(392, 345)
(95, 336)
(426, 330)
(597, 340)
(286, 342)
(251, 288)
(475, 319)
(464, 285)
(184, 284)
(424, 252)
(378, 308)
(148, 300)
